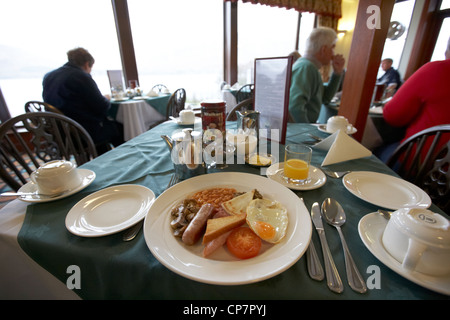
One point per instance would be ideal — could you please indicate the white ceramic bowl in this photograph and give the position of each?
(420, 240)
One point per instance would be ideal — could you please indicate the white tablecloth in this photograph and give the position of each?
(20, 276)
(136, 117)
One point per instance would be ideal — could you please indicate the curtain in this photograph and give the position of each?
(325, 8)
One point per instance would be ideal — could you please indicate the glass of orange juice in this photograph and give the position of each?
(297, 158)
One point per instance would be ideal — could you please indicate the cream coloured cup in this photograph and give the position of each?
(187, 116)
(420, 240)
(336, 123)
(55, 177)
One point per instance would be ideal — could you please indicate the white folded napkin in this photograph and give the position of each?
(152, 93)
(341, 147)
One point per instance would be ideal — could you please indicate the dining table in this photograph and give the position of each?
(138, 114)
(38, 252)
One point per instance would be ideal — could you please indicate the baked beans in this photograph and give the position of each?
(214, 196)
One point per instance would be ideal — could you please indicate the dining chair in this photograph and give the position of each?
(31, 139)
(242, 106)
(176, 103)
(245, 92)
(39, 106)
(159, 88)
(423, 159)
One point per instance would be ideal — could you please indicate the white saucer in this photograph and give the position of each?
(350, 129)
(87, 177)
(181, 123)
(371, 228)
(110, 210)
(317, 177)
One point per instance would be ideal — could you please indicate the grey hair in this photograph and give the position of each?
(318, 38)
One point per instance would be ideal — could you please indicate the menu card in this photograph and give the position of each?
(116, 79)
(271, 96)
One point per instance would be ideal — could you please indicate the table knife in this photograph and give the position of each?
(334, 281)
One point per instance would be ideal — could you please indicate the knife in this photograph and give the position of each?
(334, 281)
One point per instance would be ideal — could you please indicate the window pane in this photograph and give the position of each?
(40, 34)
(393, 47)
(265, 31)
(179, 43)
(442, 40)
(445, 4)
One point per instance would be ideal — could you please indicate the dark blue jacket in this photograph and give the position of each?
(391, 76)
(75, 93)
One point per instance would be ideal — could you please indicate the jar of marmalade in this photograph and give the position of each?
(213, 119)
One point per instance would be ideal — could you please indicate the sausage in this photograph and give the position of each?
(197, 226)
(215, 244)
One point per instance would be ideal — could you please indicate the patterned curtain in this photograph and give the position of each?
(323, 8)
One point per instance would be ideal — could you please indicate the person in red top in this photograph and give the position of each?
(423, 101)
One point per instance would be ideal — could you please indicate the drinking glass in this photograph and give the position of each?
(297, 158)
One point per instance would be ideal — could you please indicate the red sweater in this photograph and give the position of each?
(423, 101)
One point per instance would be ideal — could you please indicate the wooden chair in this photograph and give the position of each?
(245, 92)
(242, 106)
(420, 161)
(31, 139)
(38, 106)
(176, 103)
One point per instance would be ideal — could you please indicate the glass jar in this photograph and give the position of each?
(213, 119)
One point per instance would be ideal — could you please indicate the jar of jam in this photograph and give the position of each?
(213, 119)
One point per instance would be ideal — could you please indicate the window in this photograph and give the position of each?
(264, 32)
(442, 40)
(40, 34)
(393, 47)
(179, 43)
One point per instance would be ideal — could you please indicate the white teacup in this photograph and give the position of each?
(187, 116)
(55, 177)
(420, 240)
(336, 123)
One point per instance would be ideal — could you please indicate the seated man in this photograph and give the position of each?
(72, 90)
(390, 78)
(307, 92)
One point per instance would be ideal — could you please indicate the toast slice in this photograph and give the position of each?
(218, 226)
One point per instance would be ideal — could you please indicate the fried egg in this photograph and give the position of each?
(268, 219)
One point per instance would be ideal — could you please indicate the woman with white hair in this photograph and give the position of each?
(307, 92)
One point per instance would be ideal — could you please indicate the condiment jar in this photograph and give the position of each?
(213, 119)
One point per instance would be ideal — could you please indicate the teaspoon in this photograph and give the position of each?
(335, 216)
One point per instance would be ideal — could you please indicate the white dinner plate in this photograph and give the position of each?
(385, 190)
(371, 228)
(110, 210)
(350, 129)
(222, 268)
(317, 177)
(87, 177)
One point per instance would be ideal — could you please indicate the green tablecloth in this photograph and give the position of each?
(113, 269)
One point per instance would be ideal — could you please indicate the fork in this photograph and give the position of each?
(334, 174)
(131, 232)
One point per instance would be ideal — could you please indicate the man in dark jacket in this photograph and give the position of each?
(72, 90)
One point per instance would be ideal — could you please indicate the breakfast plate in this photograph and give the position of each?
(316, 177)
(109, 210)
(371, 228)
(222, 268)
(350, 129)
(87, 177)
(385, 190)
